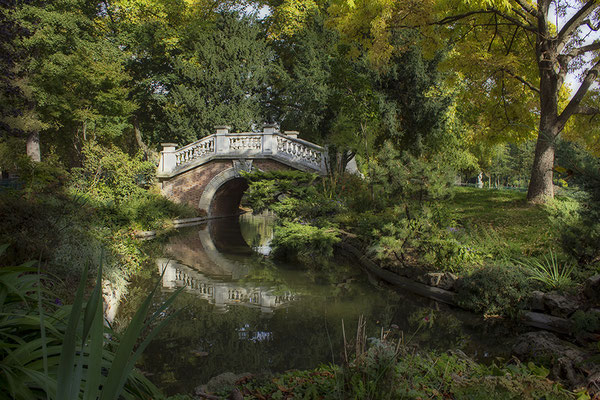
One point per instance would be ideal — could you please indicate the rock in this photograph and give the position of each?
(443, 280)
(547, 322)
(236, 395)
(592, 289)
(536, 302)
(559, 305)
(567, 361)
(224, 381)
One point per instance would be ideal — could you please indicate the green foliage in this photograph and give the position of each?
(303, 80)
(304, 241)
(218, 78)
(74, 79)
(266, 188)
(500, 289)
(36, 178)
(410, 221)
(68, 219)
(411, 181)
(578, 218)
(412, 376)
(118, 186)
(108, 175)
(53, 351)
(418, 120)
(549, 271)
(586, 321)
(304, 229)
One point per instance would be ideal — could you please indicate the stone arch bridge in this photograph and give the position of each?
(206, 174)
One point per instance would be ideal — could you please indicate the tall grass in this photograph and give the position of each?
(549, 271)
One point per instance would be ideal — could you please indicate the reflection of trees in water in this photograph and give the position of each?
(257, 231)
(203, 341)
(200, 343)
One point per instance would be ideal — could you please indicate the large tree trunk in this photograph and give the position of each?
(33, 146)
(541, 186)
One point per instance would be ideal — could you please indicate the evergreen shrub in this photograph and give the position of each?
(500, 289)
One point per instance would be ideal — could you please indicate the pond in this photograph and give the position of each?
(242, 311)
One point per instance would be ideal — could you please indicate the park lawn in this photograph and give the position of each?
(502, 223)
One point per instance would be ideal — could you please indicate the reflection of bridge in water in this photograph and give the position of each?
(220, 293)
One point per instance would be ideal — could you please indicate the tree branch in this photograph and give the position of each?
(529, 9)
(584, 49)
(520, 14)
(512, 40)
(455, 18)
(522, 80)
(515, 21)
(584, 110)
(575, 22)
(573, 105)
(495, 33)
(592, 27)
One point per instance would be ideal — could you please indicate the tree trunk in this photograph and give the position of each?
(541, 186)
(139, 140)
(33, 146)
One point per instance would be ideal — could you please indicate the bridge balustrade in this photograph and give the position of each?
(195, 150)
(284, 147)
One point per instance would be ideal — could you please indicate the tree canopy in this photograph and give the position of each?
(450, 76)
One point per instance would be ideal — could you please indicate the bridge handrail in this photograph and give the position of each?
(270, 144)
(301, 141)
(187, 146)
(300, 151)
(195, 150)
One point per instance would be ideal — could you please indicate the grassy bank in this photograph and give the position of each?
(502, 221)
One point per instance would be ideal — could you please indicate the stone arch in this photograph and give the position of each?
(227, 188)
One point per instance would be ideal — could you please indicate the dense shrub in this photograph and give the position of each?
(68, 219)
(412, 182)
(118, 186)
(578, 219)
(495, 290)
(108, 174)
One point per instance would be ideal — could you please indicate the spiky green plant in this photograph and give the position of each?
(549, 271)
(49, 351)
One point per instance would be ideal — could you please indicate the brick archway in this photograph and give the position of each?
(222, 195)
(205, 186)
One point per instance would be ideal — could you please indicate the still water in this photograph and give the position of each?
(241, 311)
